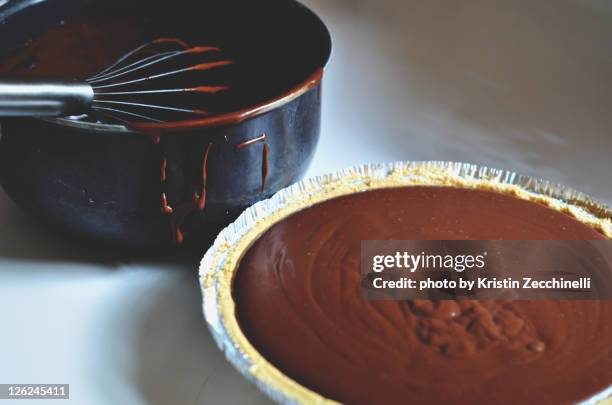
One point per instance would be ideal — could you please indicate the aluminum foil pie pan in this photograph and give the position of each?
(219, 265)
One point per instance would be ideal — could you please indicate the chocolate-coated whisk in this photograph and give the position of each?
(149, 83)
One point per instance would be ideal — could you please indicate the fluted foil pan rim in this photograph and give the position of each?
(220, 262)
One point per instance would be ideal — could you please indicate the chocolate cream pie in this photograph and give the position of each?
(287, 294)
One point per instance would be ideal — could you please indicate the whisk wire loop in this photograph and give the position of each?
(122, 95)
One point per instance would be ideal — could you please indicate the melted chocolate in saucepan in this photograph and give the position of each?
(80, 49)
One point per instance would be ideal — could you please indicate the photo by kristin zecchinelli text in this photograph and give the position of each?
(494, 269)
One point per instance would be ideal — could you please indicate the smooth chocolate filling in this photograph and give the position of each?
(299, 303)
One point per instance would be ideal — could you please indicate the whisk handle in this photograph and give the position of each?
(50, 98)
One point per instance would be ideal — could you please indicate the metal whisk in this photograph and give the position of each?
(150, 83)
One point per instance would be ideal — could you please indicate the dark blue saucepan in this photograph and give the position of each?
(110, 184)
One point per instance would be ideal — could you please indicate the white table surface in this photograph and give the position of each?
(521, 85)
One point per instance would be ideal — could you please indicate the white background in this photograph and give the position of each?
(520, 85)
